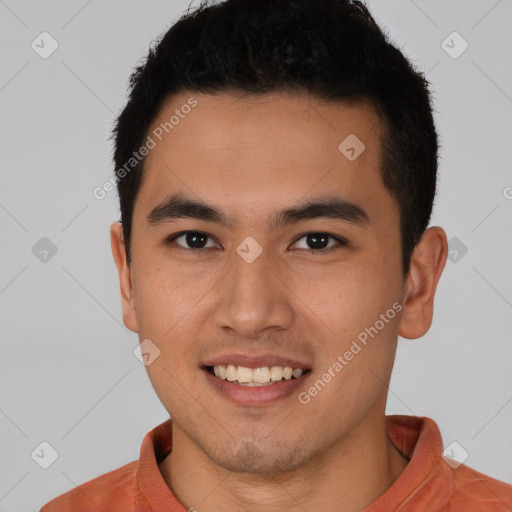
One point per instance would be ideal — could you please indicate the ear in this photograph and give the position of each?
(125, 279)
(427, 264)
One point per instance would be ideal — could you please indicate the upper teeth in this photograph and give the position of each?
(262, 375)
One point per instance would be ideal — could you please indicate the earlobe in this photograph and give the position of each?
(125, 280)
(427, 264)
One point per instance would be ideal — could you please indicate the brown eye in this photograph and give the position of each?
(191, 240)
(319, 242)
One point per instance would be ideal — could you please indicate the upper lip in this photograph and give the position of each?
(255, 361)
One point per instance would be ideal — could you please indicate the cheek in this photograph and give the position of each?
(354, 295)
(153, 298)
(357, 314)
(163, 296)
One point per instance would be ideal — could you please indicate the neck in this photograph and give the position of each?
(346, 478)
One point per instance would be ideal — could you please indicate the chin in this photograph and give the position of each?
(261, 458)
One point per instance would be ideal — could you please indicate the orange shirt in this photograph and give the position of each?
(428, 483)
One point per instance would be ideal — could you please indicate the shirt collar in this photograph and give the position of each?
(427, 479)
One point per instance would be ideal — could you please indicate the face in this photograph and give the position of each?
(257, 276)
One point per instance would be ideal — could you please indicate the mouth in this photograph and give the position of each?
(255, 381)
(262, 376)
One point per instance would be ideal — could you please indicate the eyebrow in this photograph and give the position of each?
(178, 206)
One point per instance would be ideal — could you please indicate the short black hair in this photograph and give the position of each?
(329, 49)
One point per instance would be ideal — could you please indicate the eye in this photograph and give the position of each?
(192, 240)
(319, 242)
(197, 240)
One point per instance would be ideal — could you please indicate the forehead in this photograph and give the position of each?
(255, 150)
(300, 123)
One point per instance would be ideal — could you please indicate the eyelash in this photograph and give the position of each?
(342, 242)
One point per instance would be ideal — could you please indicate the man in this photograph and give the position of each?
(276, 167)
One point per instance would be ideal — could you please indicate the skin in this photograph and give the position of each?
(250, 157)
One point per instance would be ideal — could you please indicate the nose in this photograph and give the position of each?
(254, 299)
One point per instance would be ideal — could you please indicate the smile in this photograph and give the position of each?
(263, 376)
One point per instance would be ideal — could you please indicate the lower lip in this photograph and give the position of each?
(255, 395)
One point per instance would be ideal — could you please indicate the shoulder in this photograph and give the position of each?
(482, 492)
(115, 491)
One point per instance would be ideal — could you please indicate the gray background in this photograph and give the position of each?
(68, 374)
